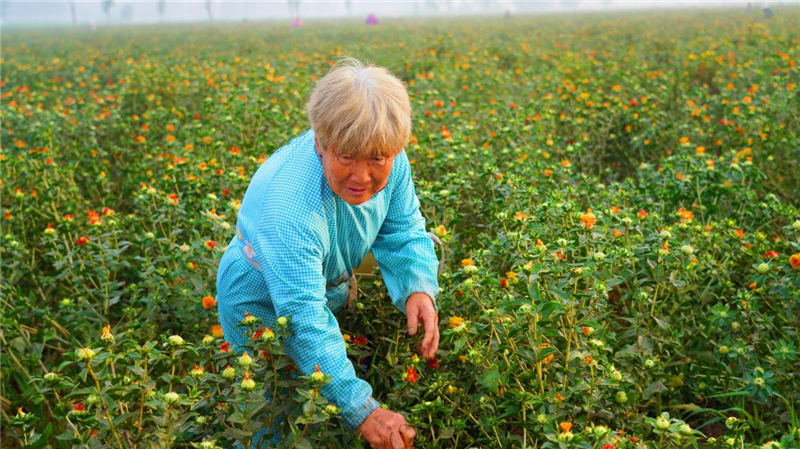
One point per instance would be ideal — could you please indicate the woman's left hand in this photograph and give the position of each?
(419, 307)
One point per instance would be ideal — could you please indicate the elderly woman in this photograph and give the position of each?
(311, 213)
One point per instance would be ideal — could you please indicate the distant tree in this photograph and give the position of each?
(294, 8)
(72, 12)
(348, 4)
(107, 4)
(162, 7)
(431, 5)
(570, 4)
(126, 14)
(208, 10)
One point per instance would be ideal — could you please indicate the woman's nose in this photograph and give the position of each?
(361, 173)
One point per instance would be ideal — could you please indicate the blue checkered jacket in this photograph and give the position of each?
(295, 247)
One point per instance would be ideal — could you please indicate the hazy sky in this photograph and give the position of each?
(147, 11)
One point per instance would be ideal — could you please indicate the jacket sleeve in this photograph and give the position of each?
(404, 252)
(292, 266)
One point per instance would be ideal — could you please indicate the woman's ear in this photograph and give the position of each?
(317, 146)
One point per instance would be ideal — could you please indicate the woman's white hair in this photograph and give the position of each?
(360, 111)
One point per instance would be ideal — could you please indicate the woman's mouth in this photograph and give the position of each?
(356, 192)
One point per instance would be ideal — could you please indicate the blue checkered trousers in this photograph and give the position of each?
(295, 248)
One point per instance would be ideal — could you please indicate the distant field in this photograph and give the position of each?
(617, 194)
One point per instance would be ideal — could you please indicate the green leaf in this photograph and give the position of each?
(653, 388)
(491, 378)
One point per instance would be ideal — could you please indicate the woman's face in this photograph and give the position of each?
(354, 180)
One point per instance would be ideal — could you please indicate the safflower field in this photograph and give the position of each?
(617, 196)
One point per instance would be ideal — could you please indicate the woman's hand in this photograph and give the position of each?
(419, 307)
(385, 429)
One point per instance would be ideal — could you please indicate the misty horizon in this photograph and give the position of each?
(60, 12)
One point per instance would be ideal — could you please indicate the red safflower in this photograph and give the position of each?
(108, 211)
(173, 197)
(210, 245)
(432, 363)
(411, 375)
(740, 233)
(82, 241)
(771, 254)
(67, 217)
(359, 340)
(642, 213)
(79, 407)
(225, 347)
(609, 446)
(504, 283)
(209, 302)
(257, 334)
(795, 260)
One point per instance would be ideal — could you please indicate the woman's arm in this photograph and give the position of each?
(402, 248)
(292, 266)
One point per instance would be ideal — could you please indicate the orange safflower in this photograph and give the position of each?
(588, 219)
(686, 215)
(616, 233)
(209, 302)
(216, 331)
(795, 260)
(565, 426)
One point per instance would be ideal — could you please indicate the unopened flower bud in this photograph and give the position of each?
(171, 397)
(175, 340)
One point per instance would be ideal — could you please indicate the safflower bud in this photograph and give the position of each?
(685, 429)
(565, 437)
(600, 431)
(175, 340)
(796, 225)
(51, 377)
(85, 354)
(267, 336)
(621, 397)
(762, 268)
(649, 363)
(197, 372)
(208, 340)
(245, 360)
(317, 376)
(662, 423)
(172, 398)
(248, 384)
(282, 321)
(331, 409)
(229, 373)
(107, 336)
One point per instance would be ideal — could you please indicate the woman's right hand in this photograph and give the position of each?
(385, 429)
